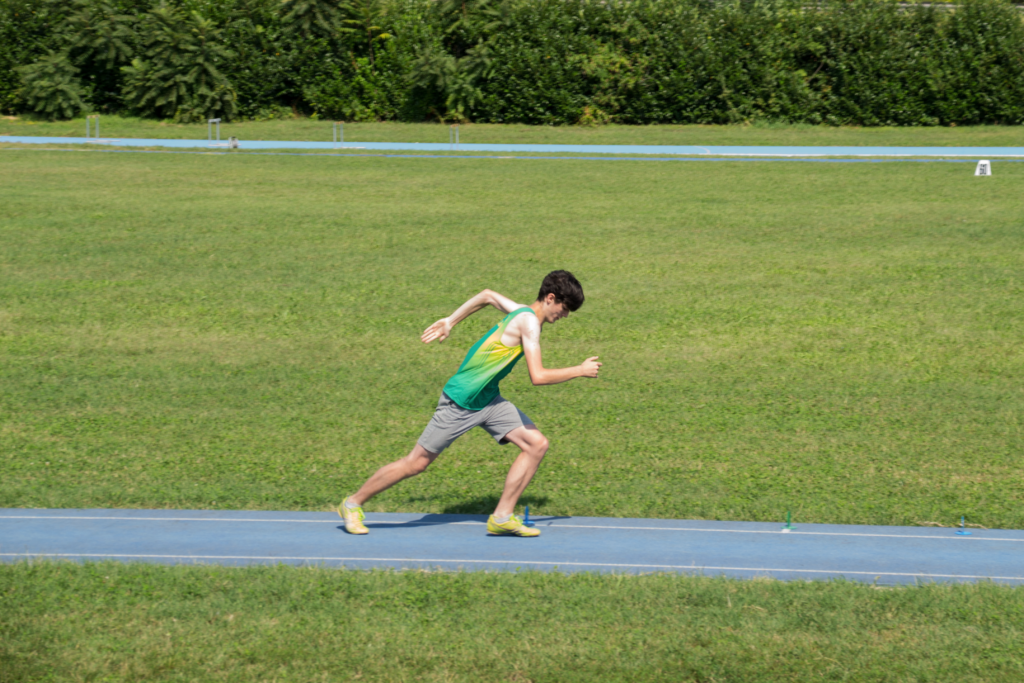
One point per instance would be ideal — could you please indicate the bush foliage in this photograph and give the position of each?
(178, 75)
(50, 87)
(862, 62)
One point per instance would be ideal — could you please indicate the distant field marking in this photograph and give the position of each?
(673, 150)
(803, 158)
(556, 526)
(515, 562)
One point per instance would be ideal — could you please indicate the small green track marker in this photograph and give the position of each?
(789, 526)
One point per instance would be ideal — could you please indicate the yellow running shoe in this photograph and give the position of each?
(353, 519)
(513, 527)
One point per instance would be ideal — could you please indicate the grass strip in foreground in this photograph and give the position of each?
(137, 622)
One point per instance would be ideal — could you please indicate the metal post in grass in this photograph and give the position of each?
(88, 120)
(338, 133)
(453, 136)
(209, 130)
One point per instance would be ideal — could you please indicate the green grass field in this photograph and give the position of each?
(839, 340)
(756, 134)
(237, 331)
(112, 622)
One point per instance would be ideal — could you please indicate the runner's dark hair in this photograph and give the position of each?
(566, 288)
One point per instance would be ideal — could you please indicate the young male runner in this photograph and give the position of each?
(471, 399)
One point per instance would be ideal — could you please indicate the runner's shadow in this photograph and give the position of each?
(431, 519)
(473, 511)
(434, 519)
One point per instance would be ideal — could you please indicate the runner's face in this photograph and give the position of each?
(557, 312)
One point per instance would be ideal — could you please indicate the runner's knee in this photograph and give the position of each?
(416, 465)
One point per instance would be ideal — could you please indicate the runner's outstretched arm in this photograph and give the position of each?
(538, 373)
(443, 327)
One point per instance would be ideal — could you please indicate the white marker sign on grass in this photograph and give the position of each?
(984, 168)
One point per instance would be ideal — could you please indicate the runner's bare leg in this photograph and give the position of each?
(534, 445)
(389, 475)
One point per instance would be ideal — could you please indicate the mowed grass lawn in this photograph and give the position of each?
(115, 622)
(234, 331)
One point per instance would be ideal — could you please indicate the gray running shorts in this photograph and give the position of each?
(450, 421)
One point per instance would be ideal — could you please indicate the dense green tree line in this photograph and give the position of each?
(867, 62)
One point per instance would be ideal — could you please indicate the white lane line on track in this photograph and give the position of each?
(553, 526)
(788, 533)
(515, 562)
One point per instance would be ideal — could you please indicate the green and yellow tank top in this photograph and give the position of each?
(476, 383)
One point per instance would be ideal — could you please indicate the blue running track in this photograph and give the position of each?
(886, 555)
(681, 150)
